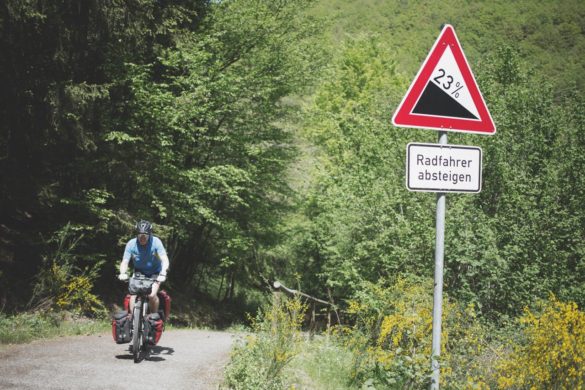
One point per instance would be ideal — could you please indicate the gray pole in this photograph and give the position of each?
(438, 291)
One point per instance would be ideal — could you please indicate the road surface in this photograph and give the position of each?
(184, 359)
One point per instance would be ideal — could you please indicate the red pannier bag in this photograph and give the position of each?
(164, 305)
(121, 327)
(127, 303)
(155, 327)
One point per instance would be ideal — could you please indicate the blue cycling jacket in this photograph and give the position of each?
(146, 258)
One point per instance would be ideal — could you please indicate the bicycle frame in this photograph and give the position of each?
(139, 341)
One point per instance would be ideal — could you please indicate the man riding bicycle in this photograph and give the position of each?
(149, 258)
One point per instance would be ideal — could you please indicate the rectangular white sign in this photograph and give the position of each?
(443, 168)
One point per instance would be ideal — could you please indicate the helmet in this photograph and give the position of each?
(144, 227)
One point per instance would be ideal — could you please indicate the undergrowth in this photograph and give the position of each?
(259, 361)
(322, 364)
(26, 327)
(387, 345)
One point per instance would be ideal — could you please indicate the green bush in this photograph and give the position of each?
(258, 362)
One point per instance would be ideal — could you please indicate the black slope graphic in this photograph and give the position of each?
(435, 101)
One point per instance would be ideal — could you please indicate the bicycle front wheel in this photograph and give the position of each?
(137, 333)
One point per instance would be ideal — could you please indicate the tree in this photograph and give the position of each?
(62, 71)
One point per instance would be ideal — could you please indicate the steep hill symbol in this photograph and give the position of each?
(435, 101)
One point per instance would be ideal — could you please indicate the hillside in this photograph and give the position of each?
(549, 35)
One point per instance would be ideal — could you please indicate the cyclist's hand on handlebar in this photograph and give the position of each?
(161, 278)
(123, 277)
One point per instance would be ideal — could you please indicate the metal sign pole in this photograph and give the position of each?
(438, 290)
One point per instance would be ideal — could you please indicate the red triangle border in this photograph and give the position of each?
(404, 117)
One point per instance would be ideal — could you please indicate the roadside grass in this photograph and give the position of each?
(322, 364)
(26, 327)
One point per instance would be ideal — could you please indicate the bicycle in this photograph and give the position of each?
(141, 286)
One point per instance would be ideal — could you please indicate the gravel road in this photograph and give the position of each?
(184, 359)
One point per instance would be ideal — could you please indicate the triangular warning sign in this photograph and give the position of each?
(444, 94)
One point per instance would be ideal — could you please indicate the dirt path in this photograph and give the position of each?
(184, 359)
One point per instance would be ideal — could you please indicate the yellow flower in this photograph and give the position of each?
(554, 352)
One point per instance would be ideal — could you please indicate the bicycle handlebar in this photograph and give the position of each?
(139, 276)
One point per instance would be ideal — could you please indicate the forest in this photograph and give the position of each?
(257, 137)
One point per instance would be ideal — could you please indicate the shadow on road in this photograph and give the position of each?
(153, 355)
(157, 350)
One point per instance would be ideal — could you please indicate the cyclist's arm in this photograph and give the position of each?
(161, 253)
(126, 258)
(124, 265)
(164, 259)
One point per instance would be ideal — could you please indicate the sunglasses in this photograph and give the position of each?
(142, 235)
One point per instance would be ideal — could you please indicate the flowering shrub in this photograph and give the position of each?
(552, 354)
(391, 338)
(62, 283)
(76, 295)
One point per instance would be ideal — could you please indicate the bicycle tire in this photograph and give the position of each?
(145, 345)
(137, 331)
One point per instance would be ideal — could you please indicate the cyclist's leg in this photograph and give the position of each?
(153, 302)
(132, 301)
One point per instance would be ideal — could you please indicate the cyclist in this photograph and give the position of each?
(149, 257)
